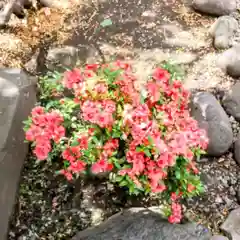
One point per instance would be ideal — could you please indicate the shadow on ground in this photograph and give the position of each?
(137, 25)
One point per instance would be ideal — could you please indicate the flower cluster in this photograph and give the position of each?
(44, 128)
(144, 136)
(176, 213)
(99, 112)
(73, 155)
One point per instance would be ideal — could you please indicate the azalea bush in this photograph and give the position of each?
(99, 120)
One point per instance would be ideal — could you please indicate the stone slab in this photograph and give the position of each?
(143, 224)
(17, 98)
(232, 225)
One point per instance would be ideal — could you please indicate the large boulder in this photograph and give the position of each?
(62, 57)
(231, 225)
(237, 151)
(17, 98)
(7, 7)
(219, 237)
(222, 31)
(229, 61)
(211, 116)
(143, 224)
(60, 4)
(215, 7)
(231, 101)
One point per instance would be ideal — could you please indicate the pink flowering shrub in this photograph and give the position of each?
(96, 120)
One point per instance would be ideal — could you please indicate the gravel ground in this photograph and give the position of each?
(221, 179)
(236, 15)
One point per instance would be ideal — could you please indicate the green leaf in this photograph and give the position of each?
(133, 190)
(106, 22)
(178, 175)
(118, 166)
(142, 99)
(139, 149)
(74, 125)
(123, 183)
(95, 140)
(119, 109)
(86, 153)
(75, 143)
(66, 164)
(150, 140)
(116, 134)
(119, 178)
(147, 152)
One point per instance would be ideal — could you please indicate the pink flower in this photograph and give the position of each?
(141, 113)
(138, 161)
(76, 151)
(83, 142)
(42, 150)
(175, 196)
(67, 174)
(101, 166)
(101, 88)
(123, 65)
(109, 106)
(32, 133)
(176, 215)
(67, 155)
(60, 134)
(109, 147)
(174, 219)
(153, 91)
(99, 112)
(161, 75)
(37, 111)
(158, 188)
(53, 117)
(39, 120)
(164, 160)
(77, 167)
(92, 67)
(155, 178)
(72, 78)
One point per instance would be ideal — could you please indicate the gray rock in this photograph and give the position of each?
(229, 61)
(60, 4)
(7, 7)
(211, 116)
(17, 98)
(5, 13)
(219, 237)
(218, 199)
(232, 191)
(237, 149)
(222, 31)
(231, 101)
(143, 224)
(238, 194)
(231, 225)
(59, 57)
(215, 7)
(32, 65)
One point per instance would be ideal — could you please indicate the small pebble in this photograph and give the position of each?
(232, 191)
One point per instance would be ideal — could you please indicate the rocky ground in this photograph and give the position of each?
(145, 33)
